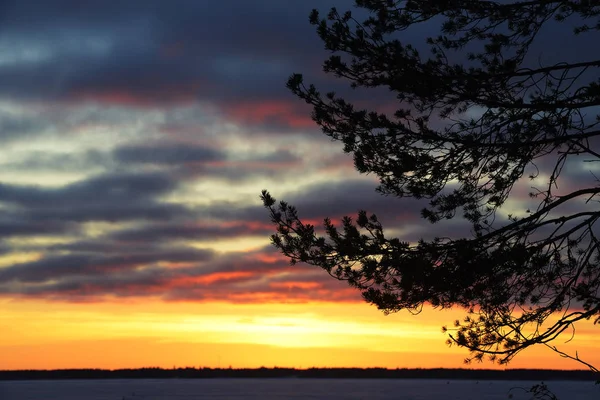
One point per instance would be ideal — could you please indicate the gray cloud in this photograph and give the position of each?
(177, 231)
(167, 154)
(333, 199)
(152, 53)
(134, 56)
(17, 127)
(107, 197)
(235, 277)
(12, 226)
(60, 162)
(102, 189)
(58, 266)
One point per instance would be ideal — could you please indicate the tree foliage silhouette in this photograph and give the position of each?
(506, 116)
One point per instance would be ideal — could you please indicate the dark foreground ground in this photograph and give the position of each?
(326, 373)
(289, 388)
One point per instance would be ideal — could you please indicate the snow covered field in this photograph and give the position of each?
(279, 389)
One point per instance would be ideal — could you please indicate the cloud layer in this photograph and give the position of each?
(138, 136)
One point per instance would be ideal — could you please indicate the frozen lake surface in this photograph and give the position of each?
(279, 389)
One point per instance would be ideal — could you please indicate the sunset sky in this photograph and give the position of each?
(136, 138)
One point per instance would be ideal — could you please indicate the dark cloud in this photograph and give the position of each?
(145, 282)
(168, 154)
(156, 53)
(279, 157)
(17, 127)
(179, 231)
(101, 246)
(114, 212)
(107, 197)
(236, 277)
(143, 45)
(332, 199)
(135, 261)
(279, 164)
(346, 198)
(101, 189)
(126, 60)
(55, 267)
(59, 162)
(10, 226)
(235, 54)
(244, 169)
(190, 161)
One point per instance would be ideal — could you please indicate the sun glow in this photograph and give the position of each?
(249, 335)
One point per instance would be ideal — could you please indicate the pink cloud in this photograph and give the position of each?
(271, 111)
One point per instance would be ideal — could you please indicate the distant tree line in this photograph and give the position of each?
(325, 373)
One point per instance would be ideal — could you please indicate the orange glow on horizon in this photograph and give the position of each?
(131, 334)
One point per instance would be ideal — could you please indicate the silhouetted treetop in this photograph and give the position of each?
(477, 113)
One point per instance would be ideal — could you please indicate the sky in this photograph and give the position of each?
(136, 138)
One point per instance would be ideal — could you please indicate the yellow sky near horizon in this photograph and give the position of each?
(52, 335)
